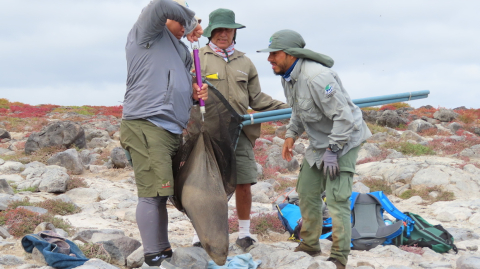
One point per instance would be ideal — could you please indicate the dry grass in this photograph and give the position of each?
(425, 191)
(377, 185)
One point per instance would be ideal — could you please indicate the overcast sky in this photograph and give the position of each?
(67, 52)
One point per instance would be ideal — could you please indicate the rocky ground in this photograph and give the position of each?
(108, 199)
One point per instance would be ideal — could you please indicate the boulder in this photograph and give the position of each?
(119, 159)
(419, 125)
(391, 119)
(55, 179)
(10, 167)
(4, 187)
(445, 115)
(454, 127)
(68, 159)
(190, 257)
(4, 134)
(61, 133)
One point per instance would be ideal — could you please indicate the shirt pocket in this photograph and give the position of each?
(242, 94)
(309, 112)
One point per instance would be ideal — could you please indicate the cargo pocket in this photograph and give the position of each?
(342, 186)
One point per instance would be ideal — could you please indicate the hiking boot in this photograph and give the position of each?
(337, 263)
(198, 244)
(246, 243)
(302, 248)
(157, 258)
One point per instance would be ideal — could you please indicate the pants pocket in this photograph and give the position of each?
(342, 186)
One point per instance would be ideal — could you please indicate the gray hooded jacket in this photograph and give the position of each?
(322, 108)
(159, 82)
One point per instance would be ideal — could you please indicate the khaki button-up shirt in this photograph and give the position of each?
(238, 82)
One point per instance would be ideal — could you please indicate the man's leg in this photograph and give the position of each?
(243, 199)
(151, 149)
(338, 193)
(310, 188)
(246, 176)
(152, 221)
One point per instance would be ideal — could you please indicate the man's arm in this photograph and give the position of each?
(153, 18)
(258, 100)
(294, 129)
(327, 95)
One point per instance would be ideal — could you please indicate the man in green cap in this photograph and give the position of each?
(235, 76)
(335, 129)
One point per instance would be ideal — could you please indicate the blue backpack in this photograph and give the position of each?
(369, 228)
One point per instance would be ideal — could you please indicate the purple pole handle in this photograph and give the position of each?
(198, 72)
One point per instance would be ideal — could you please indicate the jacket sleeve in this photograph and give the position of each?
(295, 127)
(330, 99)
(153, 18)
(258, 100)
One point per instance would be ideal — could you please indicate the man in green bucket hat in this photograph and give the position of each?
(335, 129)
(235, 76)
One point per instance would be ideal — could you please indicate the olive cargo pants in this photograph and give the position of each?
(310, 186)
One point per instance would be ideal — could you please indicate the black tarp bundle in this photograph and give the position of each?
(205, 173)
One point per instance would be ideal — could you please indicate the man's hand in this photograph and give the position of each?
(287, 149)
(200, 93)
(195, 34)
(330, 164)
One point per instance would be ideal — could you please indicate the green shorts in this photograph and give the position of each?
(152, 149)
(246, 164)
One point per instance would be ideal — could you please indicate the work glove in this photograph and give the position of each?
(330, 163)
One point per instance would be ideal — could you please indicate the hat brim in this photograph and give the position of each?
(207, 32)
(268, 50)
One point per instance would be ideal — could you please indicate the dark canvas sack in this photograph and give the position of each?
(426, 235)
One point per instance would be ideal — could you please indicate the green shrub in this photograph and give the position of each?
(4, 103)
(374, 128)
(16, 203)
(409, 148)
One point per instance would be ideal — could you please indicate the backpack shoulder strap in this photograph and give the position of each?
(392, 210)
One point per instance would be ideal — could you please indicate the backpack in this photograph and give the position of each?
(426, 235)
(291, 218)
(369, 227)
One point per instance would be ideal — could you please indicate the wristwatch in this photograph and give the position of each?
(334, 148)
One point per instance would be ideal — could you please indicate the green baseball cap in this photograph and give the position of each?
(284, 39)
(221, 18)
(292, 43)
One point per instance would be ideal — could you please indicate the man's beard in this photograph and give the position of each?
(281, 73)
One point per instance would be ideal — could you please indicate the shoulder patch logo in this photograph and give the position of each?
(329, 90)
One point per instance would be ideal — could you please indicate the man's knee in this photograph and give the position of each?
(244, 188)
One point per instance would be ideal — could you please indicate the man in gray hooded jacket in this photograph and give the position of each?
(335, 128)
(155, 111)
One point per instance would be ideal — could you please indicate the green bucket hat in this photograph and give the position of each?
(292, 43)
(221, 18)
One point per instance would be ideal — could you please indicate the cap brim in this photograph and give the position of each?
(268, 50)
